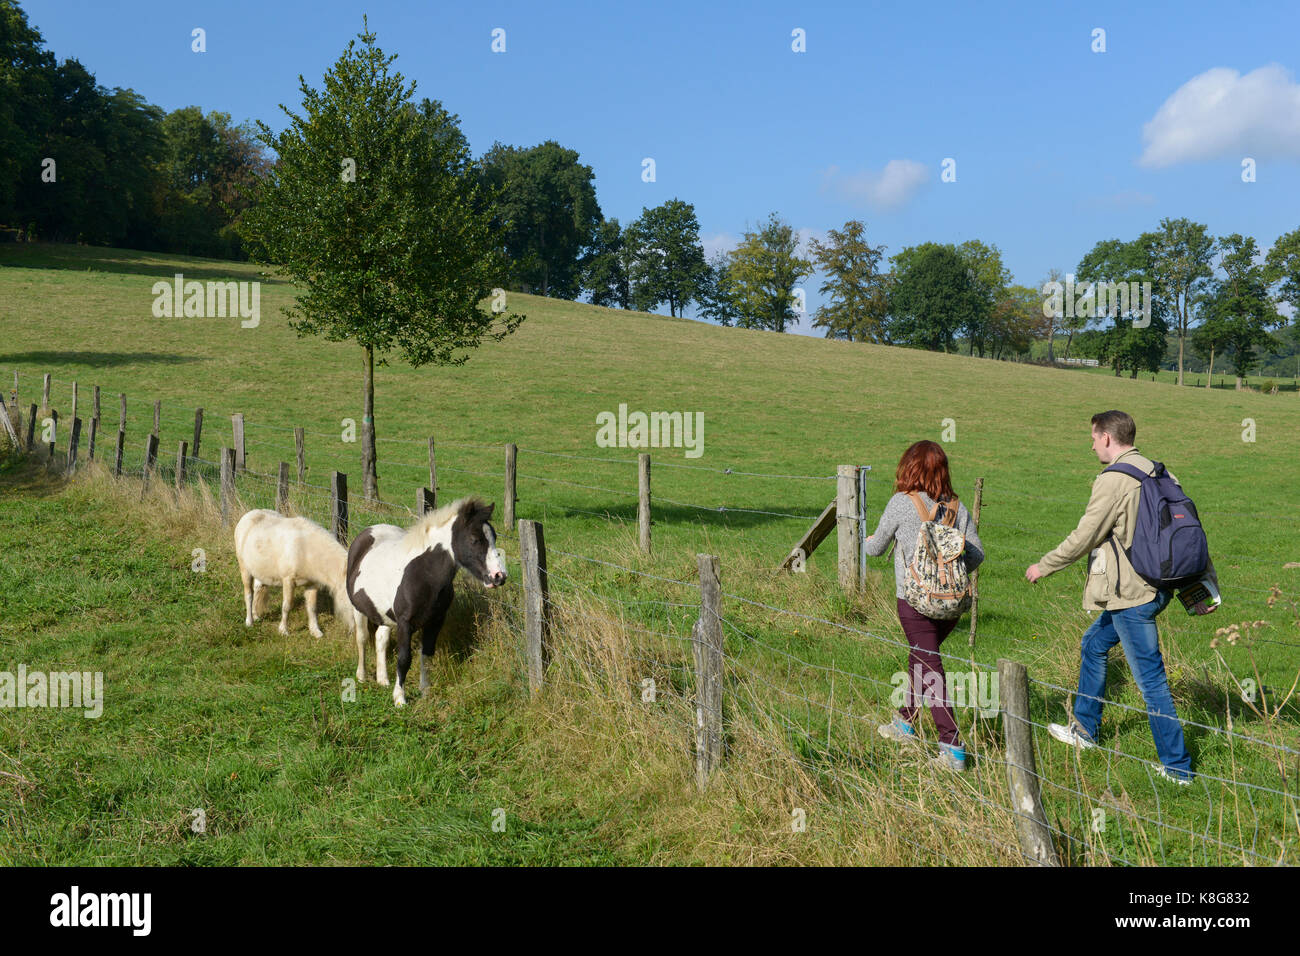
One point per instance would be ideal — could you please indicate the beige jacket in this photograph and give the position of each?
(1112, 583)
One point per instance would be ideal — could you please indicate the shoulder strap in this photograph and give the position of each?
(920, 508)
(1133, 471)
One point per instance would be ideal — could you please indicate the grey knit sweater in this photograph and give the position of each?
(899, 521)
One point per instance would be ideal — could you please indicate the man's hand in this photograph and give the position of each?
(1200, 607)
(1032, 573)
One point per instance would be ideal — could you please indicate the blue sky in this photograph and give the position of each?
(1056, 146)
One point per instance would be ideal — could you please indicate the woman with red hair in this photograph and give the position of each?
(922, 483)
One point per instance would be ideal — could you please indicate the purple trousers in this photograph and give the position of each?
(926, 682)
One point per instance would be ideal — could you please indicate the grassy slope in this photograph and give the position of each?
(771, 403)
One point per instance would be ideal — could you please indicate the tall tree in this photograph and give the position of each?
(764, 270)
(371, 213)
(933, 295)
(1282, 269)
(1182, 257)
(547, 210)
(1014, 320)
(856, 290)
(1211, 336)
(1241, 305)
(605, 269)
(717, 293)
(991, 279)
(1125, 344)
(667, 257)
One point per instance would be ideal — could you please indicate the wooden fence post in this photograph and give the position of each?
(1022, 779)
(45, 392)
(157, 417)
(74, 401)
(975, 575)
(433, 474)
(643, 501)
(94, 404)
(424, 501)
(121, 411)
(9, 425)
(508, 509)
(94, 433)
(31, 427)
(198, 431)
(299, 441)
(117, 458)
(241, 459)
(706, 646)
(846, 522)
(227, 484)
(150, 456)
(282, 489)
(537, 601)
(339, 507)
(182, 452)
(72, 446)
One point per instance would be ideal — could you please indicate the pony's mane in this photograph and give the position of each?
(416, 533)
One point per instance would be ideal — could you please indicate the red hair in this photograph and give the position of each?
(924, 467)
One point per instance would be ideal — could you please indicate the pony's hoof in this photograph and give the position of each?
(317, 633)
(361, 677)
(399, 699)
(283, 630)
(382, 681)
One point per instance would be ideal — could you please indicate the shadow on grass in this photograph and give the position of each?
(157, 265)
(98, 360)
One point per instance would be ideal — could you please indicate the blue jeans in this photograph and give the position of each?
(1135, 628)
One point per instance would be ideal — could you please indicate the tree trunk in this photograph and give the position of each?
(368, 469)
(1134, 373)
(1210, 377)
(1182, 338)
(1239, 383)
(1068, 342)
(1051, 335)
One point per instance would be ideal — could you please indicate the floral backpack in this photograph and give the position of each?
(937, 583)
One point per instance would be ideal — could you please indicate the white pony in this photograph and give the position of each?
(273, 549)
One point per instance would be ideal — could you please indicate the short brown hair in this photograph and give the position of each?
(1118, 425)
(924, 467)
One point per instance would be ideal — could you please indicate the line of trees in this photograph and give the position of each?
(83, 163)
(1217, 298)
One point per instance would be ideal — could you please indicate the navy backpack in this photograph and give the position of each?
(1169, 549)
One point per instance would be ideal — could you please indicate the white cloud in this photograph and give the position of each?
(1221, 113)
(891, 188)
(718, 242)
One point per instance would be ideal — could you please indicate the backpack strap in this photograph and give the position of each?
(948, 504)
(1133, 471)
(920, 508)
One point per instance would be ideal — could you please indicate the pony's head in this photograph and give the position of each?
(465, 526)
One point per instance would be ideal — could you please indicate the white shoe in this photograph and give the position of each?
(1071, 734)
(1174, 775)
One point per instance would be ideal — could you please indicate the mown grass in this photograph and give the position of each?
(776, 404)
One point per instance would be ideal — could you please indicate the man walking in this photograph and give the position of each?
(1128, 604)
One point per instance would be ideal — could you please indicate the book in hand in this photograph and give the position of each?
(1203, 591)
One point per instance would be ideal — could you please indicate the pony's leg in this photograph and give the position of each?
(312, 624)
(286, 604)
(259, 599)
(381, 654)
(248, 595)
(362, 629)
(403, 663)
(429, 633)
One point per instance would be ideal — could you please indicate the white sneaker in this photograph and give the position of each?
(1071, 734)
(1175, 776)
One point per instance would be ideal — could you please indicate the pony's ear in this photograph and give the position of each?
(488, 511)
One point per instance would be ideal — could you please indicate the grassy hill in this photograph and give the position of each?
(808, 692)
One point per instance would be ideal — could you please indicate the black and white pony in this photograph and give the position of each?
(400, 579)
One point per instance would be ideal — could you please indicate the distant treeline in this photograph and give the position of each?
(81, 163)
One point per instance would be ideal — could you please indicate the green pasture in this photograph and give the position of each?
(775, 404)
